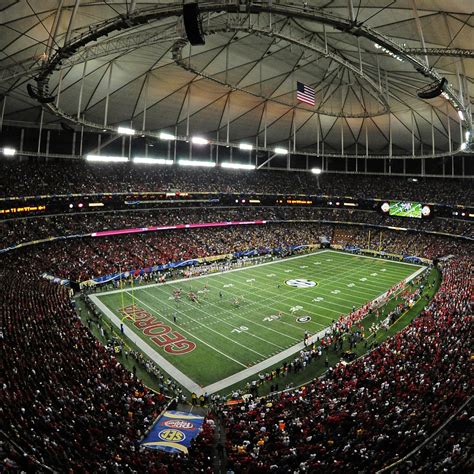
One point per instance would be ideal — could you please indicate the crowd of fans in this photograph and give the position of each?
(367, 414)
(67, 403)
(451, 451)
(65, 400)
(82, 259)
(15, 231)
(31, 177)
(401, 243)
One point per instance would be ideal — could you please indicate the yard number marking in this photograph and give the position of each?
(273, 317)
(240, 329)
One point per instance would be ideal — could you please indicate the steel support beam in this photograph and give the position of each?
(450, 52)
(161, 11)
(266, 161)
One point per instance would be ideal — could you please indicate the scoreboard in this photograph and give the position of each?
(415, 210)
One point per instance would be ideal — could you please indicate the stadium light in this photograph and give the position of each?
(387, 51)
(167, 136)
(126, 131)
(280, 151)
(238, 166)
(461, 114)
(200, 141)
(246, 146)
(316, 170)
(7, 151)
(106, 159)
(197, 163)
(152, 161)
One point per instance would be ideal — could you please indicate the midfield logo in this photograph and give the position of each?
(301, 283)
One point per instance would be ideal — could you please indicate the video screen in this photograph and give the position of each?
(405, 209)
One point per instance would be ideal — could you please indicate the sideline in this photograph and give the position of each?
(237, 377)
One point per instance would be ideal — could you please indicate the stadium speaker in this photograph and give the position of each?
(40, 98)
(433, 90)
(66, 127)
(192, 24)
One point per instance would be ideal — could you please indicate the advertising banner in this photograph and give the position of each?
(173, 432)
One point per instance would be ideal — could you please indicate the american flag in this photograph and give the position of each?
(305, 93)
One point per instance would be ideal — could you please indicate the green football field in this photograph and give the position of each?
(247, 319)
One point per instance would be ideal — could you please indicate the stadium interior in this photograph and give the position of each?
(236, 236)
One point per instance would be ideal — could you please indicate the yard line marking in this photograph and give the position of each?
(166, 365)
(378, 259)
(220, 273)
(266, 288)
(365, 267)
(228, 324)
(346, 306)
(251, 321)
(336, 279)
(242, 375)
(212, 330)
(389, 275)
(260, 302)
(192, 335)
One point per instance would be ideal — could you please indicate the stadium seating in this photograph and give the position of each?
(68, 404)
(65, 401)
(17, 231)
(31, 177)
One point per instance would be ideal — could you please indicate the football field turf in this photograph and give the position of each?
(246, 319)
